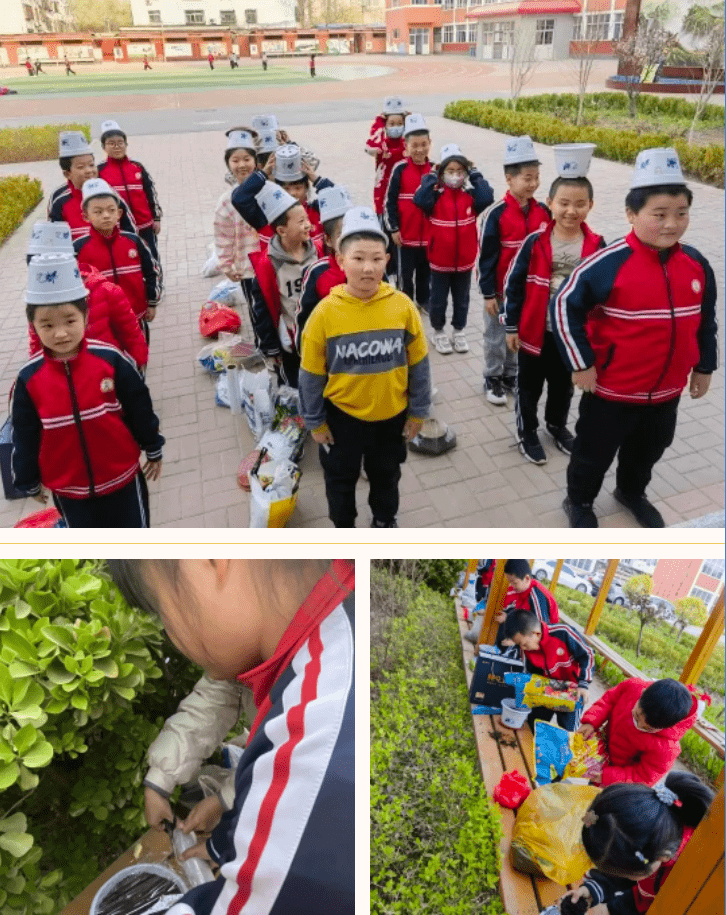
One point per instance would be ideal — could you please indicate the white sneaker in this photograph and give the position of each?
(461, 344)
(441, 342)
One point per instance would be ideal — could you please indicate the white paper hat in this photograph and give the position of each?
(51, 238)
(97, 187)
(73, 143)
(54, 278)
(519, 149)
(288, 163)
(240, 139)
(361, 219)
(110, 125)
(333, 202)
(267, 141)
(451, 151)
(413, 123)
(572, 160)
(274, 200)
(393, 105)
(657, 166)
(264, 122)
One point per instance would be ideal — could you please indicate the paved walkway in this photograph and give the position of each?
(484, 482)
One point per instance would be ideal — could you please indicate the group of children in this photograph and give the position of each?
(637, 826)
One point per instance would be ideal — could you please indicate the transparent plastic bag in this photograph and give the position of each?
(211, 265)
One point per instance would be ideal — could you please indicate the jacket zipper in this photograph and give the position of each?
(671, 347)
(456, 235)
(79, 426)
(109, 243)
(123, 176)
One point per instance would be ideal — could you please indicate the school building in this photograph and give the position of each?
(28, 16)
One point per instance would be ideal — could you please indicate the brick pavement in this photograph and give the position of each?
(484, 482)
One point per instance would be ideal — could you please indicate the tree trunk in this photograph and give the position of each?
(640, 637)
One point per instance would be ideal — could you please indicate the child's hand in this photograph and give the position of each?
(196, 851)
(492, 306)
(150, 313)
(587, 731)
(308, 170)
(157, 226)
(580, 893)
(323, 436)
(582, 693)
(204, 816)
(396, 239)
(513, 342)
(152, 470)
(585, 380)
(412, 428)
(41, 496)
(699, 385)
(156, 809)
(269, 165)
(234, 276)
(500, 617)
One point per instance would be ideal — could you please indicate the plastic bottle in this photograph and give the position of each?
(196, 870)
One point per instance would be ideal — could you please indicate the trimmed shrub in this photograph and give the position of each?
(19, 194)
(34, 144)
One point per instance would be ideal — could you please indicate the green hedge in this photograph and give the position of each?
(34, 144)
(704, 163)
(434, 834)
(19, 194)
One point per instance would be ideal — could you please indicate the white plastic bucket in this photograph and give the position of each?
(513, 717)
(148, 868)
(572, 160)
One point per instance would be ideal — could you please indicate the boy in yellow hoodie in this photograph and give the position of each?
(364, 379)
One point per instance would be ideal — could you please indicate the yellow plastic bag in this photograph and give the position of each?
(555, 694)
(547, 835)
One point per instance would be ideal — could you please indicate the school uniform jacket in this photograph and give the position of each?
(562, 655)
(135, 186)
(287, 846)
(505, 225)
(527, 285)
(388, 151)
(402, 214)
(79, 424)
(65, 206)
(484, 575)
(633, 755)
(125, 259)
(644, 318)
(535, 599)
(318, 280)
(452, 212)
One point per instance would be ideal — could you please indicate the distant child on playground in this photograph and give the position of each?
(452, 197)
(636, 323)
(547, 257)
(364, 378)
(645, 723)
(147, 65)
(505, 225)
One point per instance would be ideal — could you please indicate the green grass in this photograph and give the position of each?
(19, 194)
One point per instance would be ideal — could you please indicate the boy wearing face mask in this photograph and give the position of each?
(452, 197)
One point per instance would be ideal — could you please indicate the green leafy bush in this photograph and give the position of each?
(85, 684)
(34, 144)
(545, 119)
(19, 194)
(439, 574)
(434, 834)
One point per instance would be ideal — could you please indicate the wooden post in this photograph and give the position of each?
(495, 601)
(707, 641)
(696, 883)
(470, 570)
(607, 580)
(556, 575)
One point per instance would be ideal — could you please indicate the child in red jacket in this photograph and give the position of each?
(452, 198)
(525, 593)
(645, 723)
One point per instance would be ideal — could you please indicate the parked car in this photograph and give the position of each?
(616, 595)
(664, 609)
(545, 568)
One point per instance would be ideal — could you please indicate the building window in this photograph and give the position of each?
(448, 4)
(472, 32)
(598, 27)
(584, 564)
(544, 31)
(461, 34)
(714, 568)
(154, 17)
(617, 26)
(705, 596)
(487, 33)
(251, 17)
(420, 2)
(462, 2)
(194, 17)
(447, 34)
(227, 17)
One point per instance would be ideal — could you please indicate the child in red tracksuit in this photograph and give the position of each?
(525, 593)
(452, 209)
(634, 835)
(408, 225)
(547, 257)
(645, 723)
(385, 142)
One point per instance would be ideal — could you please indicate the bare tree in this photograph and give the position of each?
(522, 61)
(638, 590)
(582, 68)
(706, 25)
(641, 52)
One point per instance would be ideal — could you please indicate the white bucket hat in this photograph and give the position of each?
(50, 238)
(241, 139)
(288, 163)
(274, 200)
(54, 278)
(452, 151)
(361, 219)
(267, 141)
(413, 123)
(520, 149)
(657, 166)
(73, 143)
(97, 187)
(264, 122)
(572, 160)
(110, 125)
(393, 105)
(333, 202)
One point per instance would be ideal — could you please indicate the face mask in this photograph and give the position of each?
(394, 132)
(644, 730)
(454, 181)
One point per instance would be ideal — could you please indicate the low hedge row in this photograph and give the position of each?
(704, 163)
(19, 194)
(33, 144)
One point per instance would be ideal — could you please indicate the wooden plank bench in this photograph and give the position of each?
(522, 894)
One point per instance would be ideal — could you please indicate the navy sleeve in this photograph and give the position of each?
(603, 888)
(266, 334)
(309, 298)
(391, 204)
(27, 431)
(321, 183)
(515, 285)
(55, 207)
(481, 191)
(127, 223)
(581, 653)
(707, 331)
(134, 397)
(151, 272)
(150, 192)
(489, 251)
(243, 200)
(426, 193)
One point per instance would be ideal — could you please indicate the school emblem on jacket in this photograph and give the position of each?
(133, 252)
(138, 174)
(696, 286)
(107, 385)
(560, 651)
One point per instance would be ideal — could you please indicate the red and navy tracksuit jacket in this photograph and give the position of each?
(65, 206)
(319, 279)
(484, 576)
(504, 227)
(536, 599)
(388, 151)
(562, 655)
(402, 215)
(80, 424)
(527, 285)
(644, 318)
(135, 186)
(124, 259)
(287, 846)
(243, 200)
(452, 212)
